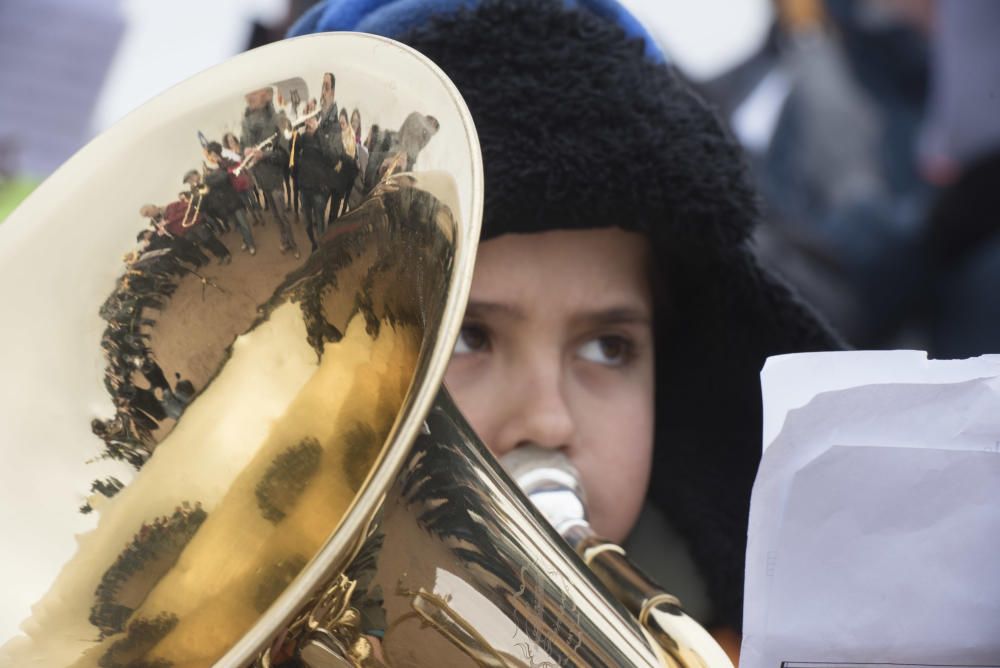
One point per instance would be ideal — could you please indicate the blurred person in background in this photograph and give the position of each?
(843, 199)
(959, 152)
(854, 216)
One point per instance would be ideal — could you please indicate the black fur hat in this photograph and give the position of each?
(578, 129)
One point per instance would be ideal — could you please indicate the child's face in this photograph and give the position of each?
(557, 350)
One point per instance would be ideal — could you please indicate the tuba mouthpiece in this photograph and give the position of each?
(552, 483)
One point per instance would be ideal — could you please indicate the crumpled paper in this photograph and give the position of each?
(874, 533)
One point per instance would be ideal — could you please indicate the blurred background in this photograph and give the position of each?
(872, 128)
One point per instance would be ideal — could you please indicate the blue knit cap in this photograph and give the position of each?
(392, 18)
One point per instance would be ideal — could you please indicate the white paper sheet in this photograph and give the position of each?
(874, 532)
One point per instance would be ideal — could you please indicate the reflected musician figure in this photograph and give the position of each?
(314, 160)
(219, 198)
(269, 158)
(181, 221)
(158, 237)
(330, 134)
(347, 169)
(242, 179)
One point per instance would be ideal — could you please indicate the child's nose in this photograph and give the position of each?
(538, 412)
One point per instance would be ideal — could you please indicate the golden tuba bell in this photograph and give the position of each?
(216, 457)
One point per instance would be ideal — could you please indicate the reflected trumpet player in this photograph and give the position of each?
(218, 197)
(253, 154)
(301, 121)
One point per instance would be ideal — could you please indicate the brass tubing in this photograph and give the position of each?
(685, 642)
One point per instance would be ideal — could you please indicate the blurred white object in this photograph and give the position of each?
(875, 518)
(708, 37)
(167, 42)
(756, 119)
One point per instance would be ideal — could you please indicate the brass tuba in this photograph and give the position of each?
(216, 457)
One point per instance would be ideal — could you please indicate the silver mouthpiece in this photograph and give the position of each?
(552, 484)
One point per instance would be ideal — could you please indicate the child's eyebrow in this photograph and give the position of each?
(482, 309)
(616, 315)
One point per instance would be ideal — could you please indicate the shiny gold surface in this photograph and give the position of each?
(685, 643)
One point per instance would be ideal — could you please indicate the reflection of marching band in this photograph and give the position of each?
(299, 163)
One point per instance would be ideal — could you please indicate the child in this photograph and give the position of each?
(617, 311)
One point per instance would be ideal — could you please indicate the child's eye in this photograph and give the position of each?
(606, 350)
(472, 339)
